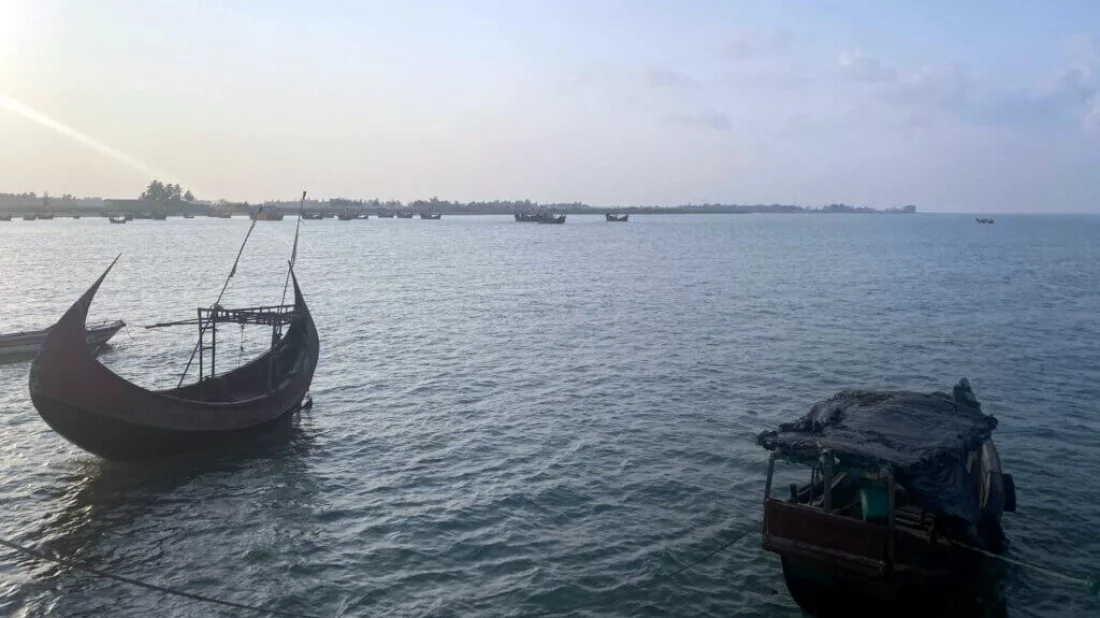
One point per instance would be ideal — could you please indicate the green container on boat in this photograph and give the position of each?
(875, 502)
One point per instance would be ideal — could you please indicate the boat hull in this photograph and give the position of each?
(26, 345)
(118, 440)
(103, 413)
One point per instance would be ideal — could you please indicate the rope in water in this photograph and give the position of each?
(1090, 583)
(658, 579)
(81, 566)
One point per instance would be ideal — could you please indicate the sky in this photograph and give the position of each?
(979, 106)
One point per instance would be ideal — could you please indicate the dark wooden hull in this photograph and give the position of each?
(552, 220)
(101, 412)
(617, 218)
(836, 565)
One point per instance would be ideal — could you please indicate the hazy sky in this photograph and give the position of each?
(971, 106)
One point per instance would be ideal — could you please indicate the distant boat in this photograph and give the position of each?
(385, 214)
(266, 215)
(45, 216)
(5, 217)
(551, 219)
(117, 219)
(76, 216)
(222, 215)
(188, 215)
(983, 220)
(527, 217)
(431, 216)
(616, 218)
(312, 216)
(129, 216)
(362, 215)
(30, 217)
(345, 216)
(404, 215)
(26, 344)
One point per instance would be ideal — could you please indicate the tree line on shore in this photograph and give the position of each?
(168, 193)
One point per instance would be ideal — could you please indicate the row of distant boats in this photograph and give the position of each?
(275, 215)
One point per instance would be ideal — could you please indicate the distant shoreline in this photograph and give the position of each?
(93, 207)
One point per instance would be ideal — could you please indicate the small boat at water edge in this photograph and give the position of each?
(31, 217)
(345, 216)
(103, 413)
(431, 216)
(552, 219)
(117, 219)
(188, 215)
(312, 216)
(363, 216)
(385, 214)
(266, 215)
(906, 492)
(616, 218)
(404, 215)
(26, 344)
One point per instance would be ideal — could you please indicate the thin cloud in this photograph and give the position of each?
(706, 121)
(753, 43)
(669, 78)
(855, 66)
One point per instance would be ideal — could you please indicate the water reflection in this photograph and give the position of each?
(103, 498)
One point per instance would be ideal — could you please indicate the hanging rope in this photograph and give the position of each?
(1090, 583)
(80, 566)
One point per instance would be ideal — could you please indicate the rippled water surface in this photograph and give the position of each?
(512, 418)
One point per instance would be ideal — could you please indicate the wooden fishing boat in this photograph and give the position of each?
(26, 344)
(431, 216)
(906, 492)
(617, 218)
(262, 214)
(30, 217)
(363, 216)
(345, 216)
(188, 215)
(117, 219)
(404, 215)
(552, 219)
(105, 414)
(385, 214)
(527, 217)
(312, 216)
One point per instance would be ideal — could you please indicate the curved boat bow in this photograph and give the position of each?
(103, 413)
